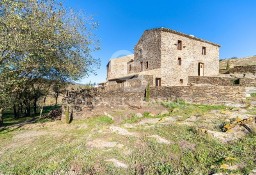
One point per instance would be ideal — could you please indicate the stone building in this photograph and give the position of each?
(169, 57)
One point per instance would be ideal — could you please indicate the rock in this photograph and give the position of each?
(149, 121)
(253, 172)
(117, 163)
(253, 103)
(191, 119)
(168, 120)
(160, 139)
(98, 143)
(165, 112)
(122, 131)
(139, 115)
(108, 115)
(128, 125)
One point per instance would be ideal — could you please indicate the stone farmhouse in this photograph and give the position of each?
(167, 58)
(176, 66)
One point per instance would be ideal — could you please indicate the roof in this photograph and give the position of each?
(182, 34)
(124, 78)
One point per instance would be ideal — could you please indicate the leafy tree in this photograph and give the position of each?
(42, 41)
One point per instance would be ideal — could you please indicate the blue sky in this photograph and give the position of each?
(230, 23)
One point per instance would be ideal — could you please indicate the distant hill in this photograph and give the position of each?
(237, 62)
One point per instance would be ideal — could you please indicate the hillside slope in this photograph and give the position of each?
(237, 62)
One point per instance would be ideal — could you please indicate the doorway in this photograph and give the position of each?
(158, 81)
(200, 69)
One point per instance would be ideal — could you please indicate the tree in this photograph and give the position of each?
(57, 89)
(41, 40)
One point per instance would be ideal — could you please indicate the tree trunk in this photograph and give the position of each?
(41, 112)
(28, 110)
(35, 105)
(15, 112)
(56, 98)
(1, 117)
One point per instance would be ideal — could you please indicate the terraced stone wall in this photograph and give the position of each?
(200, 94)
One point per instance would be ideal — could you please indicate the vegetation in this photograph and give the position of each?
(84, 146)
(42, 46)
(148, 93)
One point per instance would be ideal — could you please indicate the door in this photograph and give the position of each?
(200, 69)
(158, 81)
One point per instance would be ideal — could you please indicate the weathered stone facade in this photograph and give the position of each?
(117, 68)
(171, 57)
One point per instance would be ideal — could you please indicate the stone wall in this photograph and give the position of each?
(117, 68)
(248, 82)
(148, 50)
(80, 102)
(172, 73)
(200, 94)
(217, 81)
(222, 81)
(243, 69)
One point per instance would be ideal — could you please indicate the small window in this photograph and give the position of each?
(203, 50)
(130, 67)
(179, 47)
(181, 81)
(179, 61)
(158, 81)
(141, 66)
(147, 65)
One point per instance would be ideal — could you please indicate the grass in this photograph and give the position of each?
(57, 148)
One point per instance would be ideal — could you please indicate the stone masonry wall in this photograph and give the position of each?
(117, 68)
(217, 81)
(80, 102)
(222, 81)
(190, 55)
(148, 50)
(248, 82)
(243, 69)
(200, 94)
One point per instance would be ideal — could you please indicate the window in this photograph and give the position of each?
(179, 61)
(130, 67)
(147, 65)
(158, 81)
(203, 50)
(141, 66)
(179, 47)
(181, 81)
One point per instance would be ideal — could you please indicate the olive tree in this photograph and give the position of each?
(41, 40)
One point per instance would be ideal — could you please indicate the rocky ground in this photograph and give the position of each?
(167, 138)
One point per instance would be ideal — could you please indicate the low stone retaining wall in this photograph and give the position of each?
(218, 81)
(200, 94)
(243, 69)
(221, 81)
(248, 82)
(78, 102)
